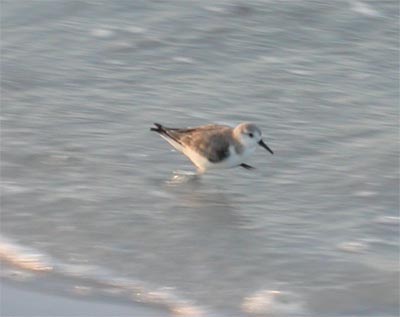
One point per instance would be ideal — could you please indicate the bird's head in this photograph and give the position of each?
(249, 135)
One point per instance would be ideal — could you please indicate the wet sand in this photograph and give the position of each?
(18, 302)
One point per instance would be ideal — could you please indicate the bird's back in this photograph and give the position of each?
(210, 141)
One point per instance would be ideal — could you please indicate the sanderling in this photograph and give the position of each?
(215, 146)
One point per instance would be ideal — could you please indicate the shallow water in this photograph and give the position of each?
(90, 194)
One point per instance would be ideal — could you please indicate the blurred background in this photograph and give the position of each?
(97, 210)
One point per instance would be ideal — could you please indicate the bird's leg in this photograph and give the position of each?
(248, 167)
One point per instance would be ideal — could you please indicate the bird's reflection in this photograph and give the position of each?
(204, 200)
(182, 177)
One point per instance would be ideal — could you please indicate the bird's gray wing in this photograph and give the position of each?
(211, 142)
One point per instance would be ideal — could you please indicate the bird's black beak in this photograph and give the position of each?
(265, 146)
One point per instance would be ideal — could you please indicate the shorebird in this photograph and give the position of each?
(215, 146)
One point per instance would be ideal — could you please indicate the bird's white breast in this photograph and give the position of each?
(234, 158)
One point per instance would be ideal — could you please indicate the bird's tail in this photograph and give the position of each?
(165, 132)
(159, 128)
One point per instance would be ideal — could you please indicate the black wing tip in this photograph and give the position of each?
(159, 128)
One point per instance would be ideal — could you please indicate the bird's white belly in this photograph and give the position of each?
(200, 161)
(203, 164)
(233, 160)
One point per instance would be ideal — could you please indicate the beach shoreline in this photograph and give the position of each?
(18, 301)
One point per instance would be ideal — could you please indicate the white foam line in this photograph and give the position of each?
(273, 302)
(364, 9)
(24, 258)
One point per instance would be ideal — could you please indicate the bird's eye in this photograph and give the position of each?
(251, 135)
